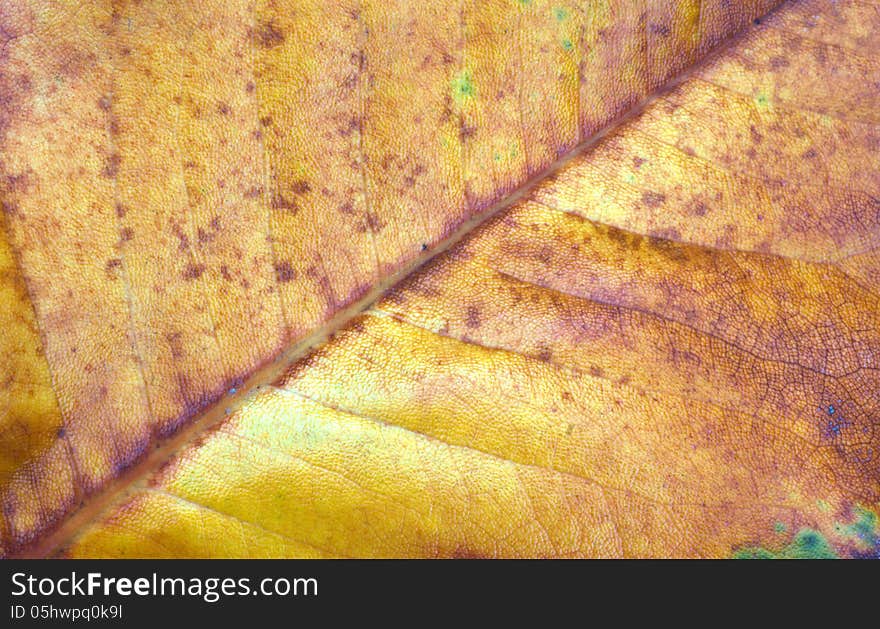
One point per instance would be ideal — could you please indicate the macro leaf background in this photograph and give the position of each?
(663, 344)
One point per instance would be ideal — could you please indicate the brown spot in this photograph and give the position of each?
(544, 354)
(778, 62)
(284, 272)
(253, 192)
(811, 153)
(359, 60)
(373, 222)
(346, 209)
(223, 109)
(183, 238)
(269, 36)
(126, 234)
(280, 202)
(193, 271)
(203, 236)
(224, 271)
(653, 199)
(354, 124)
(660, 29)
(249, 87)
(699, 209)
(756, 137)
(596, 371)
(104, 102)
(623, 238)
(266, 121)
(473, 317)
(111, 165)
(668, 247)
(465, 130)
(120, 210)
(112, 265)
(300, 187)
(18, 183)
(174, 344)
(638, 161)
(668, 233)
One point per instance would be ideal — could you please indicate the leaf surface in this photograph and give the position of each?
(665, 348)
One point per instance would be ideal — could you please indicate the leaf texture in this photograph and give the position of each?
(190, 188)
(666, 348)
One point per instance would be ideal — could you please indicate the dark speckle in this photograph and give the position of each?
(111, 166)
(280, 202)
(193, 271)
(269, 36)
(284, 272)
(756, 136)
(465, 131)
(300, 187)
(112, 265)
(223, 109)
(778, 62)
(653, 199)
(473, 317)
(699, 209)
(371, 223)
(660, 29)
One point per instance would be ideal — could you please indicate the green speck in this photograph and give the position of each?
(560, 13)
(496, 157)
(567, 45)
(865, 527)
(463, 87)
(823, 506)
(779, 527)
(807, 544)
(629, 178)
(762, 100)
(754, 553)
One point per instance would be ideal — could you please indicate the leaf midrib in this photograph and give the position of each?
(136, 477)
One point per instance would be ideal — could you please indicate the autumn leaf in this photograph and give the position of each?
(479, 279)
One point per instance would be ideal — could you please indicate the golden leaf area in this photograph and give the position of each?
(498, 278)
